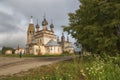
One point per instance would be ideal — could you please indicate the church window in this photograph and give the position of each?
(40, 40)
(36, 50)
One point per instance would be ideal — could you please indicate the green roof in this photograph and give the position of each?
(52, 43)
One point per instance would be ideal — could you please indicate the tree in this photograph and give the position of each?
(96, 25)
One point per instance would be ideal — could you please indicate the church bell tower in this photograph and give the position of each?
(30, 31)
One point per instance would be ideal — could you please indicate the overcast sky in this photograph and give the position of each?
(15, 17)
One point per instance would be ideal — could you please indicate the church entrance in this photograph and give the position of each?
(39, 51)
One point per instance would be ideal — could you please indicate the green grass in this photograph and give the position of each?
(31, 55)
(105, 68)
(0, 52)
(92, 67)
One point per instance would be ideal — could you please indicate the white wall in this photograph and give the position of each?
(8, 52)
(54, 50)
(37, 48)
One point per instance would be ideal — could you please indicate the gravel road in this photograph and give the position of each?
(11, 65)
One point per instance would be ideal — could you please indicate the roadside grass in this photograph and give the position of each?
(0, 52)
(103, 67)
(92, 67)
(31, 55)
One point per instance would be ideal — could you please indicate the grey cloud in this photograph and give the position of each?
(57, 10)
(8, 24)
(12, 40)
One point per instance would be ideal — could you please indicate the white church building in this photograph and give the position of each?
(41, 41)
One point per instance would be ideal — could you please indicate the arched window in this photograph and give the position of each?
(36, 50)
(40, 40)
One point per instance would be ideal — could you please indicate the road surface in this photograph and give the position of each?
(11, 65)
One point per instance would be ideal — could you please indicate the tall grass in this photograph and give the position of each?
(102, 68)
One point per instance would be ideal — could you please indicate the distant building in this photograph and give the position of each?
(19, 49)
(43, 41)
(8, 52)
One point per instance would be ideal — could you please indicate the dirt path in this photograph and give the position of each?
(9, 66)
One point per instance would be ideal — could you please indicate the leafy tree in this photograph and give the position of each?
(96, 24)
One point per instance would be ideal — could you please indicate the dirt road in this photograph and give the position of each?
(11, 65)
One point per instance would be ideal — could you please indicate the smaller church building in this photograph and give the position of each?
(42, 41)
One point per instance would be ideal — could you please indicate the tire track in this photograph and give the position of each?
(26, 64)
(4, 66)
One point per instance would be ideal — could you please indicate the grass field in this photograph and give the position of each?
(92, 67)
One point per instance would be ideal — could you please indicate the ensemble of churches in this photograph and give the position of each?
(41, 40)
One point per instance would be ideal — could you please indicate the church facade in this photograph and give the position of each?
(41, 41)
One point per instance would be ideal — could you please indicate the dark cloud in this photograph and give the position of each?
(8, 24)
(15, 15)
(12, 40)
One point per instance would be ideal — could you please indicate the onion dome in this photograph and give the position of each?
(52, 26)
(44, 22)
(63, 37)
(37, 25)
(31, 20)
